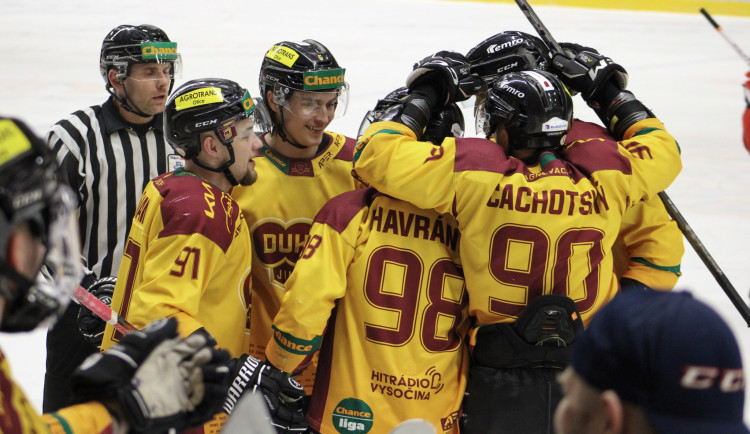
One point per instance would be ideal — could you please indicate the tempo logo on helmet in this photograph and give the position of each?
(206, 95)
(494, 48)
(352, 416)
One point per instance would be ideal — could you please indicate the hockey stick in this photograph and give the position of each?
(724, 35)
(102, 310)
(702, 252)
(687, 231)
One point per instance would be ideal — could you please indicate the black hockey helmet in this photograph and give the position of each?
(30, 194)
(128, 44)
(449, 122)
(534, 106)
(209, 104)
(302, 66)
(507, 52)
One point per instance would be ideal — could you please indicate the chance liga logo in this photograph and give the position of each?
(352, 416)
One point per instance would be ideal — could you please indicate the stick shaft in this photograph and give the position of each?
(706, 257)
(540, 28)
(725, 36)
(102, 310)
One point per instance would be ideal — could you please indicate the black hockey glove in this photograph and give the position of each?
(90, 325)
(160, 380)
(587, 71)
(447, 73)
(282, 395)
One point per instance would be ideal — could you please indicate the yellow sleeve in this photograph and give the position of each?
(391, 159)
(317, 282)
(91, 417)
(654, 156)
(649, 247)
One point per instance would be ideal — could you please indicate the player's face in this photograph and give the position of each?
(307, 114)
(246, 147)
(581, 410)
(147, 86)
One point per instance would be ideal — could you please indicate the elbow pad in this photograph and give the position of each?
(619, 110)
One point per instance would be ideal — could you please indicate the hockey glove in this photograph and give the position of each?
(587, 71)
(282, 395)
(90, 325)
(160, 380)
(447, 73)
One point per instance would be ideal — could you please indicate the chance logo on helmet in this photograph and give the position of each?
(159, 50)
(325, 79)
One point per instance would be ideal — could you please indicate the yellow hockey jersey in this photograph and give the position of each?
(279, 209)
(650, 246)
(382, 279)
(187, 256)
(526, 230)
(17, 415)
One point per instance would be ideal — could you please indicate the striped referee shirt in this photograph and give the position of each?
(108, 162)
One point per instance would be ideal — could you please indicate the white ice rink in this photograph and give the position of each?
(679, 66)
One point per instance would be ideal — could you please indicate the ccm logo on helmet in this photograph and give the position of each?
(205, 123)
(704, 377)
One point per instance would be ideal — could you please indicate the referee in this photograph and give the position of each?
(108, 153)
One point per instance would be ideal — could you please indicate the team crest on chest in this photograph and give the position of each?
(278, 244)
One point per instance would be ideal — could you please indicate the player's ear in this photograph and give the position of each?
(269, 99)
(613, 411)
(209, 144)
(114, 80)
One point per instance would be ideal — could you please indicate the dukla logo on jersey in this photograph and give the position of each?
(278, 245)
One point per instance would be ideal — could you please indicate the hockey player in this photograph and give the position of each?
(151, 382)
(380, 285)
(649, 247)
(108, 153)
(301, 167)
(646, 366)
(537, 219)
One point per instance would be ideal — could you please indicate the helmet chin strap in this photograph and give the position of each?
(283, 134)
(124, 102)
(224, 167)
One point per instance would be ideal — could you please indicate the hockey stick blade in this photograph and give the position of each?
(102, 310)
